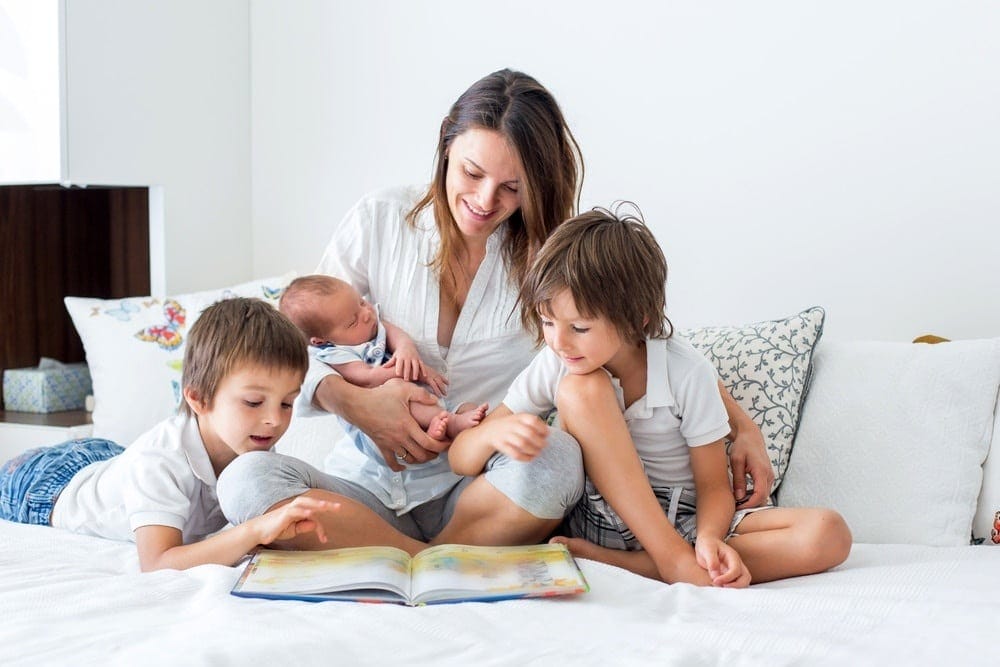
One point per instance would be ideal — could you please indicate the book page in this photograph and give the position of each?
(275, 572)
(458, 572)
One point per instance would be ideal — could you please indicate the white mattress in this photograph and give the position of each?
(70, 600)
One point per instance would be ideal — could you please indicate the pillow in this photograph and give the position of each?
(134, 350)
(766, 366)
(893, 437)
(986, 522)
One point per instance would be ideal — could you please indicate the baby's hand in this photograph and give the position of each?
(406, 362)
(292, 519)
(722, 562)
(437, 382)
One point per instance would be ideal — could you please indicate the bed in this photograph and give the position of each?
(74, 600)
(895, 436)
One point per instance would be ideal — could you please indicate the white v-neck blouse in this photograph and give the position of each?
(387, 260)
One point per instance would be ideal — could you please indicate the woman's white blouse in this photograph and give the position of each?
(387, 260)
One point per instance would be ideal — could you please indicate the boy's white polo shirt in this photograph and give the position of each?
(681, 408)
(164, 478)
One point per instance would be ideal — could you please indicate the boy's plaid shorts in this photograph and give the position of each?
(594, 520)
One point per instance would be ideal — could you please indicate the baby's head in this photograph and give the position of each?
(611, 265)
(329, 310)
(239, 335)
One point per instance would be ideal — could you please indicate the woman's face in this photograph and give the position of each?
(483, 182)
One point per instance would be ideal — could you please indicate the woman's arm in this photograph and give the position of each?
(520, 436)
(162, 547)
(747, 455)
(715, 507)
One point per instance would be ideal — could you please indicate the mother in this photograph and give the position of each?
(444, 264)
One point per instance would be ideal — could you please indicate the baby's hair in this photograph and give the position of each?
(612, 266)
(297, 302)
(234, 332)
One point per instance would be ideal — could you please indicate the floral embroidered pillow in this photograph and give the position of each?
(135, 346)
(766, 366)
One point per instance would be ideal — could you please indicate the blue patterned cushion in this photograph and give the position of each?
(766, 366)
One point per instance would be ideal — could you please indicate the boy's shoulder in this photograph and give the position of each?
(176, 440)
(682, 359)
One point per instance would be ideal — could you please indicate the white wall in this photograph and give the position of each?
(787, 154)
(158, 93)
(29, 91)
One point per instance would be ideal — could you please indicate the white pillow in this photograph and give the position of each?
(893, 436)
(134, 350)
(986, 523)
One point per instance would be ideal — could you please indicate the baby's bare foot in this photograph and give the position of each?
(468, 415)
(438, 428)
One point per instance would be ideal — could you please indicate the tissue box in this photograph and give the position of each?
(46, 388)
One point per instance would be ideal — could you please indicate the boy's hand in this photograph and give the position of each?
(292, 519)
(520, 436)
(722, 562)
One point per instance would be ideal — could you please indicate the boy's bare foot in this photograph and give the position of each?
(635, 561)
(467, 416)
(438, 428)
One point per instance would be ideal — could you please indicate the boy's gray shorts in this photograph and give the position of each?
(548, 487)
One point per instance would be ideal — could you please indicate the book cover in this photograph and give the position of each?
(441, 574)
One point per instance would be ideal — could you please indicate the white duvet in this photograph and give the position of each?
(72, 600)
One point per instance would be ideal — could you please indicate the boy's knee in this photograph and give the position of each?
(577, 392)
(826, 539)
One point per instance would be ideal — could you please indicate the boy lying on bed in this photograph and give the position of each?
(242, 369)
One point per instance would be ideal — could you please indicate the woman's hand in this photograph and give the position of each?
(723, 563)
(386, 419)
(383, 413)
(748, 456)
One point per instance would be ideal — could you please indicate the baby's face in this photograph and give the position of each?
(351, 320)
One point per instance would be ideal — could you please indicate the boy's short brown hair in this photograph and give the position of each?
(234, 332)
(612, 266)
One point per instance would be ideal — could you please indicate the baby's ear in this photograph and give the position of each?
(194, 401)
(313, 340)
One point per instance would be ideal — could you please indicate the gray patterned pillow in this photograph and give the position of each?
(766, 366)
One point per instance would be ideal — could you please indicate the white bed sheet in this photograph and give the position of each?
(70, 600)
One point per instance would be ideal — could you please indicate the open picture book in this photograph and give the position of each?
(440, 574)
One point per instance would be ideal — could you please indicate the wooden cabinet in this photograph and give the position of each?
(56, 242)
